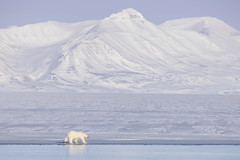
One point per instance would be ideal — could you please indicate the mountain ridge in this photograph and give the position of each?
(122, 53)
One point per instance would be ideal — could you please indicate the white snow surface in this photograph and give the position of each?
(122, 53)
(119, 118)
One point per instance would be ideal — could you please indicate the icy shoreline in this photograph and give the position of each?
(129, 142)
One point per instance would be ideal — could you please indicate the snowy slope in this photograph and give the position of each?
(121, 53)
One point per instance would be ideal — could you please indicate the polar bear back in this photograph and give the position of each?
(75, 134)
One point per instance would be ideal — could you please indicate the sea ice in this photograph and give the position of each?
(119, 118)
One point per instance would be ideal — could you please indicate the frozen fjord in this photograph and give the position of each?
(115, 118)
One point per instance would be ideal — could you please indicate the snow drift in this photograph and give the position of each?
(122, 53)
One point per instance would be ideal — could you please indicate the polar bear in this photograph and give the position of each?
(75, 135)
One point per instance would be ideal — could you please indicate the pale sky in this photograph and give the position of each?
(21, 12)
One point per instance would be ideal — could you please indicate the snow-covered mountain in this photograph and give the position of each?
(122, 53)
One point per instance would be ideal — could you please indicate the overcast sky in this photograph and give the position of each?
(21, 12)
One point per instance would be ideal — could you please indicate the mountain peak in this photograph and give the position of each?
(125, 14)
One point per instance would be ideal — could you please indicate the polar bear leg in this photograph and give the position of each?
(76, 140)
(65, 140)
(70, 140)
(83, 140)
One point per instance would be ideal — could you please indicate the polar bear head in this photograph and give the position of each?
(85, 135)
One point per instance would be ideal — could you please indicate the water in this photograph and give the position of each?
(120, 152)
